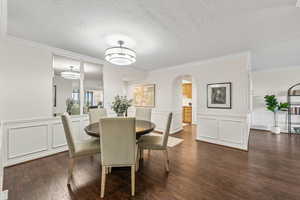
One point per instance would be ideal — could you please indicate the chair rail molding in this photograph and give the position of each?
(228, 130)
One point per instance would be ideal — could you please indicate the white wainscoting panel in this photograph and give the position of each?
(58, 136)
(25, 140)
(227, 130)
(231, 131)
(208, 127)
(1, 156)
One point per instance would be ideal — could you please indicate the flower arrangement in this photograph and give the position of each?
(121, 104)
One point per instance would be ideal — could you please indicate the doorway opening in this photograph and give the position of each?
(187, 101)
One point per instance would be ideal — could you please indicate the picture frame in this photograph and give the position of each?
(144, 95)
(219, 95)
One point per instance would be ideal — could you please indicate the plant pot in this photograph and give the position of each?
(120, 114)
(275, 129)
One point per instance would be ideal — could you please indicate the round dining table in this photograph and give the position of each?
(142, 127)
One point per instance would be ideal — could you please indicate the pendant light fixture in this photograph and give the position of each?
(120, 55)
(70, 74)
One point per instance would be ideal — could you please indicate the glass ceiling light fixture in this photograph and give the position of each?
(70, 74)
(120, 55)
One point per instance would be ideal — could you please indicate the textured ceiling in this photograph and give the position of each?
(165, 33)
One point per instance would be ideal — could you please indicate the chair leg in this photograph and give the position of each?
(142, 153)
(167, 161)
(149, 152)
(137, 160)
(70, 171)
(132, 180)
(103, 177)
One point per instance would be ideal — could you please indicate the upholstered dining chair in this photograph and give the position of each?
(143, 113)
(157, 142)
(77, 149)
(118, 147)
(96, 113)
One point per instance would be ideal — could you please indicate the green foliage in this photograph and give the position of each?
(121, 104)
(273, 105)
(283, 106)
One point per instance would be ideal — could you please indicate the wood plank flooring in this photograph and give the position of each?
(199, 171)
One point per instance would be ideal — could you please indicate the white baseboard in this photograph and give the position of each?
(265, 128)
(260, 127)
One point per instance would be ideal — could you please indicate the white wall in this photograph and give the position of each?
(26, 82)
(277, 82)
(111, 77)
(26, 79)
(29, 130)
(233, 68)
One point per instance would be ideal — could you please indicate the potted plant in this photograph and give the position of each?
(120, 105)
(274, 106)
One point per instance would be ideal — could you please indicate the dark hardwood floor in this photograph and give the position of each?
(270, 170)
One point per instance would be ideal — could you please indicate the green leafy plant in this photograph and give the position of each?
(121, 104)
(274, 106)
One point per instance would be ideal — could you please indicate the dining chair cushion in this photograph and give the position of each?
(151, 142)
(156, 142)
(87, 147)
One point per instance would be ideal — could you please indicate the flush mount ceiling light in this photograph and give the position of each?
(298, 4)
(70, 74)
(120, 55)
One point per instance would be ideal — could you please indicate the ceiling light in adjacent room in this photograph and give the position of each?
(70, 74)
(120, 55)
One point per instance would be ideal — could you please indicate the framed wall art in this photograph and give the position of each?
(144, 95)
(219, 95)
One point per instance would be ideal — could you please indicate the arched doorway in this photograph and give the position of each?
(184, 100)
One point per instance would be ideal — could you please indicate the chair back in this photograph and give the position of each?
(167, 131)
(143, 114)
(67, 124)
(118, 141)
(96, 113)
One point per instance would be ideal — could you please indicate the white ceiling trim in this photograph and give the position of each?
(294, 67)
(206, 61)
